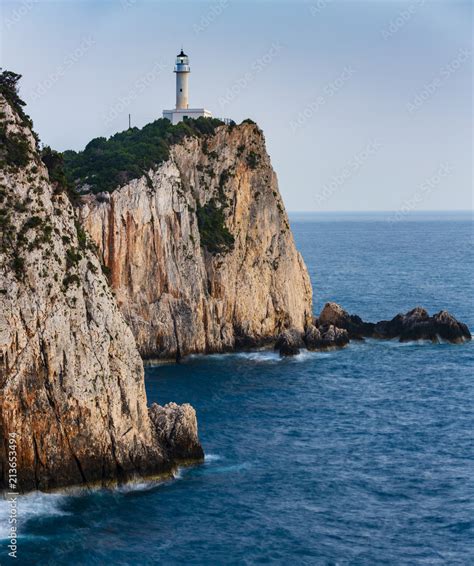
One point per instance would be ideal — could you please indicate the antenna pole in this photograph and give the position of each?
(129, 121)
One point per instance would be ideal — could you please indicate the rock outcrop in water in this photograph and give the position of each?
(325, 336)
(289, 342)
(356, 328)
(335, 327)
(416, 324)
(419, 325)
(176, 427)
(72, 390)
(200, 250)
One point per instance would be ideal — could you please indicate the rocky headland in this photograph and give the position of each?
(199, 249)
(73, 408)
(155, 243)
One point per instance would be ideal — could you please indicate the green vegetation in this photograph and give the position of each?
(14, 146)
(107, 272)
(215, 236)
(81, 235)
(9, 89)
(106, 164)
(18, 266)
(91, 267)
(55, 164)
(71, 279)
(73, 257)
(252, 159)
(32, 222)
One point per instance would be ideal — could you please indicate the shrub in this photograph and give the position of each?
(252, 159)
(71, 279)
(215, 235)
(32, 222)
(81, 236)
(15, 149)
(73, 257)
(9, 89)
(107, 272)
(91, 267)
(18, 266)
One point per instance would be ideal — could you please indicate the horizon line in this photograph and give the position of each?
(424, 211)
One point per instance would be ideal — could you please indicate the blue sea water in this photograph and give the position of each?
(361, 456)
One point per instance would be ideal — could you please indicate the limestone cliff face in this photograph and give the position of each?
(177, 296)
(71, 379)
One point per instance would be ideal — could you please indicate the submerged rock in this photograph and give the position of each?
(289, 343)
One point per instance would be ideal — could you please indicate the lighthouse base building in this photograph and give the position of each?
(175, 116)
(182, 110)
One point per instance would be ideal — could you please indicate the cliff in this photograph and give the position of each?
(199, 249)
(72, 398)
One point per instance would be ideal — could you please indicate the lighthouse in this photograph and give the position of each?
(182, 110)
(182, 70)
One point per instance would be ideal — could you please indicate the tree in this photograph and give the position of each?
(9, 89)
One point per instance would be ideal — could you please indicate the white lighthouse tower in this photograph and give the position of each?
(182, 110)
(182, 70)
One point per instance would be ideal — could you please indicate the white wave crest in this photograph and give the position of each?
(212, 458)
(29, 507)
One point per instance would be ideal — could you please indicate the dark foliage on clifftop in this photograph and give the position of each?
(106, 164)
(9, 89)
(14, 147)
(54, 162)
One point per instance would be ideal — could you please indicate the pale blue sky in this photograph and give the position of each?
(364, 105)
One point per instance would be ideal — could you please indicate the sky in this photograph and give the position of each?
(365, 106)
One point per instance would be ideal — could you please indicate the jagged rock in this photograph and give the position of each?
(176, 427)
(177, 296)
(72, 391)
(312, 338)
(289, 343)
(333, 337)
(325, 337)
(357, 329)
(418, 325)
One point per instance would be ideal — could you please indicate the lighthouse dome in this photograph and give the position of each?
(182, 60)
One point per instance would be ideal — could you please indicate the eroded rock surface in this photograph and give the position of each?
(325, 337)
(176, 426)
(72, 389)
(179, 293)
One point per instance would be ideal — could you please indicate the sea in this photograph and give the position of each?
(361, 456)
